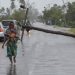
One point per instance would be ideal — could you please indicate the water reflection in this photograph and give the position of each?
(11, 70)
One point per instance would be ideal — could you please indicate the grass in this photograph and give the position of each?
(72, 30)
(55, 26)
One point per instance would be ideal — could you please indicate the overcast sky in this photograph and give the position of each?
(39, 4)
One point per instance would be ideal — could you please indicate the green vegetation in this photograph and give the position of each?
(18, 14)
(60, 15)
(54, 14)
(72, 30)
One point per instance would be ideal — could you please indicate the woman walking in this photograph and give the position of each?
(11, 42)
(28, 28)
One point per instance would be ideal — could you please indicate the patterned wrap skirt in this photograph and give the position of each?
(11, 48)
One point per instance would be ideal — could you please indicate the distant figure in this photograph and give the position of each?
(27, 28)
(10, 41)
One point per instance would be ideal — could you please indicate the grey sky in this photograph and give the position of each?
(39, 4)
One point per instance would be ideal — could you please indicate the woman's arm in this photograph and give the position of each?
(4, 43)
(5, 39)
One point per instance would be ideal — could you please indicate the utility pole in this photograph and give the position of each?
(64, 12)
(26, 17)
(0, 3)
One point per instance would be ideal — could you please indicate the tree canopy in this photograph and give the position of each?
(58, 16)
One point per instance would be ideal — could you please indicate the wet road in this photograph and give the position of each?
(41, 54)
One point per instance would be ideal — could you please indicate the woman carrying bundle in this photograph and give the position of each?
(11, 42)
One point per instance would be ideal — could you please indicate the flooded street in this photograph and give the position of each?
(41, 54)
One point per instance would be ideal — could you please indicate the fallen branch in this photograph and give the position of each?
(50, 31)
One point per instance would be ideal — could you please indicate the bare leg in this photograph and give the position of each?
(14, 59)
(10, 58)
